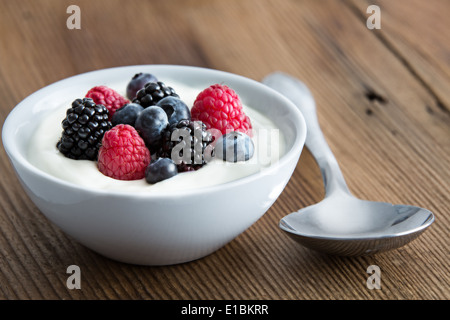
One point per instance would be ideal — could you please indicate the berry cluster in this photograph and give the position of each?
(151, 133)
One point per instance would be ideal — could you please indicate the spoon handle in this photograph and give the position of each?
(299, 94)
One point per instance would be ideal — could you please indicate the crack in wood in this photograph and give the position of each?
(372, 96)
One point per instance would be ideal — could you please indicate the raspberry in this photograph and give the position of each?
(219, 107)
(108, 97)
(123, 154)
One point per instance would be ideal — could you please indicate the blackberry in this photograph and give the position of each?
(83, 130)
(187, 138)
(152, 93)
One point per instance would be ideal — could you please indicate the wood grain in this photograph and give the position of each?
(383, 103)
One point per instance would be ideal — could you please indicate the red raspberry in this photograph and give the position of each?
(123, 154)
(108, 97)
(219, 107)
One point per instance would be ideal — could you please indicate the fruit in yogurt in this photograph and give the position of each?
(150, 124)
(83, 128)
(157, 136)
(188, 144)
(123, 154)
(160, 169)
(219, 107)
(138, 82)
(152, 93)
(108, 97)
(175, 109)
(127, 114)
(234, 146)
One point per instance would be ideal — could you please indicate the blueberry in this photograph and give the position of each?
(138, 82)
(175, 108)
(160, 169)
(234, 146)
(127, 114)
(150, 124)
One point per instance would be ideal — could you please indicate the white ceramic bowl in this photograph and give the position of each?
(151, 229)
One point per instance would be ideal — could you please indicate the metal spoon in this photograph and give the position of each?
(341, 224)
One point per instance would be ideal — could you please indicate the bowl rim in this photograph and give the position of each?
(295, 150)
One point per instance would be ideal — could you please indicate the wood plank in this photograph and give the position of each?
(414, 32)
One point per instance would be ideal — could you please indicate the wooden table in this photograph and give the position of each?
(383, 99)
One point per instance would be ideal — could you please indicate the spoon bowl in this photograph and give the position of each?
(348, 226)
(342, 224)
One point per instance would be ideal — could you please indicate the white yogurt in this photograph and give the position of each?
(268, 141)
